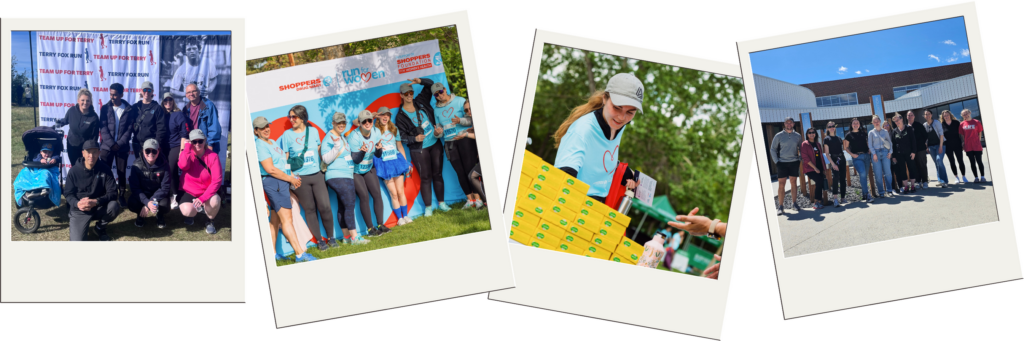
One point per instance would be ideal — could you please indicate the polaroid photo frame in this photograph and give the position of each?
(913, 266)
(158, 271)
(604, 289)
(432, 270)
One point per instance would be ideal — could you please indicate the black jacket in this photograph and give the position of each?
(81, 127)
(110, 125)
(404, 124)
(97, 183)
(151, 123)
(905, 142)
(150, 181)
(178, 128)
(952, 133)
(922, 136)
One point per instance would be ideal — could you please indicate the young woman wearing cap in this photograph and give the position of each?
(475, 175)
(276, 180)
(150, 182)
(313, 197)
(904, 147)
(416, 124)
(880, 144)
(83, 125)
(450, 114)
(200, 180)
(834, 153)
(367, 140)
(970, 130)
(954, 145)
(392, 165)
(178, 127)
(814, 165)
(591, 134)
(337, 155)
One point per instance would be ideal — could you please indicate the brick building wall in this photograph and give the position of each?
(882, 84)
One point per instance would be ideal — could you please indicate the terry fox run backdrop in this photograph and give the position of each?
(69, 61)
(351, 85)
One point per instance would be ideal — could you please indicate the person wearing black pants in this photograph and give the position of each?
(954, 145)
(970, 130)
(177, 129)
(83, 125)
(834, 153)
(921, 154)
(303, 141)
(416, 123)
(91, 194)
(367, 184)
(814, 165)
(453, 120)
(117, 118)
(151, 185)
(904, 143)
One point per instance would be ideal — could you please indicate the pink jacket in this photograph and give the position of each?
(200, 181)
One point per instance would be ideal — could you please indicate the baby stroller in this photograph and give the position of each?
(38, 185)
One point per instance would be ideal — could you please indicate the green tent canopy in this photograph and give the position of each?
(659, 209)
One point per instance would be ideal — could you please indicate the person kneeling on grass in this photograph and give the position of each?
(150, 181)
(200, 180)
(92, 194)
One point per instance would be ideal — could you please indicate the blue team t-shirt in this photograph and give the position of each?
(585, 149)
(422, 121)
(273, 152)
(357, 141)
(388, 145)
(443, 116)
(342, 167)
(293, 142)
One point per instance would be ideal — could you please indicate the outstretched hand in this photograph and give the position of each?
(712, 271)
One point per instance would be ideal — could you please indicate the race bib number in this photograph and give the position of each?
(389, 152)
(365, 166)
(449, 131)
(310, 157)
(425, 125)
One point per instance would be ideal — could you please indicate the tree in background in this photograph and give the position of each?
(447, 37)
(688, 138)
(20, 81)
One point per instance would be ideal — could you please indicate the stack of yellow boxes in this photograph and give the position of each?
(554, 212)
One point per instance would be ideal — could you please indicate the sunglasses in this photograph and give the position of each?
(150, 151)
(367, 121)
(292, 117)
(407, 93)
(439, 93)
(830, 127)
(198, 141)
(147, 90)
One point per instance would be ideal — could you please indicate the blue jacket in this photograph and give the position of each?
(178, 128)
(209, 122)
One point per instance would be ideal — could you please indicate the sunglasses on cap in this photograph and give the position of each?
(151, 151)
(199, 141)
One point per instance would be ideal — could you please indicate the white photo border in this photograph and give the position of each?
(431, 270)
(543, 277)
(914, 266)
(157, 271)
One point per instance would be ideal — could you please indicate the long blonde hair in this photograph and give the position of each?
(596, 101)
(391, 123)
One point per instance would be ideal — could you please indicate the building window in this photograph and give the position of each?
(903, 90)
(837, 100)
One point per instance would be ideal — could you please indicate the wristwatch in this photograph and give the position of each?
(711, 231)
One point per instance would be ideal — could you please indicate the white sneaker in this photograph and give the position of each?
(401, 221)
(479, 203)
(924, 185)
(470, 203)
(174, 202)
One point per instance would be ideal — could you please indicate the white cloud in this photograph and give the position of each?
(842, 70)
(965, 52)
(932, 56)
(950, 60)
(949, 42)
(857, 72)
(866, 70)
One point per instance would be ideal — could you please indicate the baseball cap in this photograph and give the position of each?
(167, 95)
(260, 122)
(151, 144)
(196, 134)
(47, 146)
(436, 87)
(365, 115)
(406, 87)
(147, 85)
(626, 89)
(339, 117)
(383, 110)
(90, 144)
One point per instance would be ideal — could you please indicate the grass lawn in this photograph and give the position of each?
(54, 221)
(440, 225)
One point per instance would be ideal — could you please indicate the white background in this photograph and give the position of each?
(503, 37)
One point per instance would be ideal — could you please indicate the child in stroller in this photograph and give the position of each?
(37, 185)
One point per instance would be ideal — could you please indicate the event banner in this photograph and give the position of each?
(350, 85)
(68, 61)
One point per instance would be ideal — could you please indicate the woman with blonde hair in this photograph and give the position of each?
(954, 145)
(392, 165)
(880, 144)
(594, 130)
(83, 124)
(971, 130)
(904, 146)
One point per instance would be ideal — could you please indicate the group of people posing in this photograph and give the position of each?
(354, 163)
(898, 153)
(176, 165)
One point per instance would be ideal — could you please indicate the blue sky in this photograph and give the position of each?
(919, 46)
(21, 39)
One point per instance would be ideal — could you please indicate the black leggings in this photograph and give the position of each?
(368, 185)
(463, 156)
(429, 164)
(121, 160)
(922, 166)
(345, 190)
(839, 179)
(903, 164)
(313, 197)
(819, 184)
(957, 152)
(476, 179)
(975, 158)
(172, 160)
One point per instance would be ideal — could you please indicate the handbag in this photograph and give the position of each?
(296, 162)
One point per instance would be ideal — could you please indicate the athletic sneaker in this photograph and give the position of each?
(279, 257)
(383, 229)
(835, 202)
(780, 210)
(479, 204)
(843, 201)
(320, 245)
(401, 221)
(796, 207)
(160, 224)
(210, 229)
(983, 179)
(965, 179)
(174, 202)
(408, 219)
(372, 232)
(428, 211)
(924, 185)
(139, 221)
(189, 221)
(101, 231)
(358, 240)
(817, 206)
(332, 242)
(470, 203)
(443, 207)
(871, 200)
(913, 190)
(306, 257)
